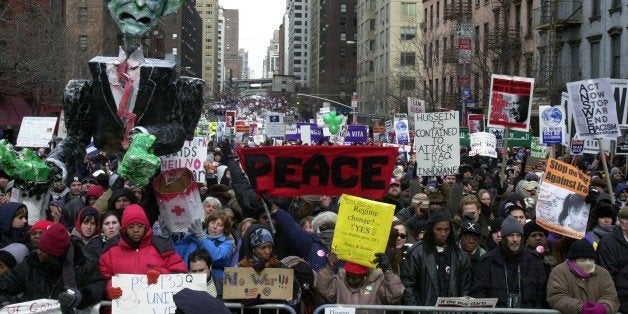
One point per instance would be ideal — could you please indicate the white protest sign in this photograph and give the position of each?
(592, 146)
(466, 302)
(269, 284)
(339, 310)
(415, 105)
(192, 156)
(552, 124)
(35, 306)
(402, 133)
(593, 108)
(139, 297)
(436, 143)
(306, 134)
(36, 131)
(622, 142)
(620, 93)
(274, 125)
(483, 144)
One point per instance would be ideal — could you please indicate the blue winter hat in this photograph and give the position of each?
(261, 236)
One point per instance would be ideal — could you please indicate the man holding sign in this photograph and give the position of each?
(435, 267)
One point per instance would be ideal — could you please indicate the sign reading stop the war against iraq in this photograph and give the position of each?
(510, 102)
(319, 170)
(593, 108)
(436, 143)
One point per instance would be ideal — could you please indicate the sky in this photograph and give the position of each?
(258, 20)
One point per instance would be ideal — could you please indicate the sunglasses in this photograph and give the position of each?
(401, 235)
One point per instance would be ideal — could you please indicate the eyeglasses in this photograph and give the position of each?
(401, 235)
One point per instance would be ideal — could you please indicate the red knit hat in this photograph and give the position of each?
(42, 225)
(353, 268)
(55, 240)
(95, 191)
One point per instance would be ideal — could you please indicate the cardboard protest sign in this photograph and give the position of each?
(140, 297)
(362, 229)
(191, 156)
(592, 146)
(552, 124)
(561, 206)
(36, 131)
(415, 105)
(483, 144)
(273, 122)
(294, 134)
(402, 133)
(510, 102)
(593, 108)
(246, 283)
(436, 143)
(622, 142)
(475, 122)
(466, 302)
(309, 170)
(178, 198)
(340, 309)
(620, 93)
(35, 306)
(537, 149)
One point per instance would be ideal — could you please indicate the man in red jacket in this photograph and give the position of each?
(138, 252)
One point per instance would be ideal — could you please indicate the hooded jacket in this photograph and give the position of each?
(94, 244)
(612, 254)
(221, 249)
(127, 257)
(115, 194)
(9, 235)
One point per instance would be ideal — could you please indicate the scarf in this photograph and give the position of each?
(577, 270)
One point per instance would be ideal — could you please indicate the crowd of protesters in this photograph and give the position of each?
(470, 234)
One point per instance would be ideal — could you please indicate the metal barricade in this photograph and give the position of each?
(432, 309)
(279, 308)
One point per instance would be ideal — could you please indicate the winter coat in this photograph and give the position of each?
(410, 220)
(489, 279)
(379, 288)
(151, 253)
(419, 276)
(612, 254)
(567, 293)
(9, 235)
(45, 281)
(220, 249)
(307, 245)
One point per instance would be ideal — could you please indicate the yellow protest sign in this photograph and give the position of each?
(362, 229)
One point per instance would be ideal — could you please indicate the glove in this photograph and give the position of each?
(152, 276)
(252, 302)
(197, 228)
(71, 297)
(593, 308)
(114, 292)
(382, 261)
(225, 149)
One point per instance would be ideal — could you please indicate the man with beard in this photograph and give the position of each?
(511, 272)
(435, 267)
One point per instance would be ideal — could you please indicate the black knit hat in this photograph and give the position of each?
(532, 226)
(438, 215)
(581, 249)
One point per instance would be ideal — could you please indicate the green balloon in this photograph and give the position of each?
(333, 129)
(328, 118)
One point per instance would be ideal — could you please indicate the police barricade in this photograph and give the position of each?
(350, 308)
(279, 308)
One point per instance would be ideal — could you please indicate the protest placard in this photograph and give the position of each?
(340, 309)
(466, 302)
(436, 143)
(309, 170)
(356, 133)
(620, 93)
(510, 102)
(483, 144)
(622, 142)
(36, 131)
(537, 149)
(273, 123)
(362, 229)
(415, 105)
(35, 306)
(402, 133)
(230, 116)
(592, 146)
(140, 297)
(552, 124)
(576, 147)
(593, 108)
(191, 156)
(245, 283)
(475, 122)
(561, 206)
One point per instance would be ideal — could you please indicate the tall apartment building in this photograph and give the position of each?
(231, 37)
(208, 10)
(183, 38)
(333, 42)
(220, 55)
(298, 48)
(271, 61)
(389, 52)
(244, 58)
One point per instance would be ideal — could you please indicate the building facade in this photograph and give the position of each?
(297, 38)
(232, 61)
(208, 11)
(272, 60)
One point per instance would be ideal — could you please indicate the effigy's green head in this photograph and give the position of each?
(136, 17)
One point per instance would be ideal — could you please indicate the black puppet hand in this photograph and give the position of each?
(383, 262)
(225, 149)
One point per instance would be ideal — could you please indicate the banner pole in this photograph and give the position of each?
(608, 178)
(502, 171)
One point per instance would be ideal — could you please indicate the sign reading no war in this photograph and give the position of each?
(269, 284)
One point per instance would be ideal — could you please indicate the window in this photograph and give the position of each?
(83, 43)
(615, 55)
(528, 65)
(407, 58)
(343, 36)
(437, 12)
(595, 9)
(343, 22)
(82, 18)
(407, 83)
(408, 9)
(595, 56)
(518, 17)
(174, 51)
(616, 4)
(431, 16)
(372, 24)
(408, 32)
(530, 19)
(343, 7)
(343, 80)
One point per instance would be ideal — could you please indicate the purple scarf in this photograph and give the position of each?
(577, 271)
